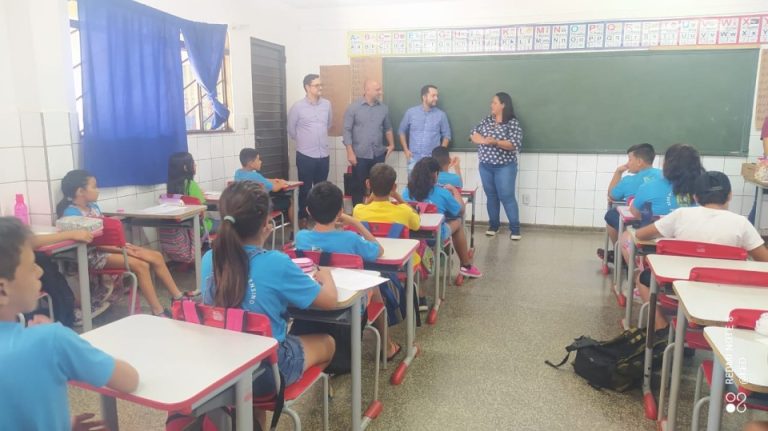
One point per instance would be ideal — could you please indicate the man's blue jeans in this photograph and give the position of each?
(499, 186)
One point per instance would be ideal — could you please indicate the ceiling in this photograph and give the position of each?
(328, 4)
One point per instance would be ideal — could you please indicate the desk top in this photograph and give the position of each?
(212, 197)
(467, 192)
(743, 352)
(625, 213)
(347, 296)
(179, 363)
(292, 185)
(710, 304)
(61, 245)
(396, 251)
(633, 234)
(431, 222)
(671, 268)
(160, 212)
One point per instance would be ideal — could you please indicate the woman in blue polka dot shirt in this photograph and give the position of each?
(498, 138)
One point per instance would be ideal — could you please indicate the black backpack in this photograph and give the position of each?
(56, 286)
(614, 364)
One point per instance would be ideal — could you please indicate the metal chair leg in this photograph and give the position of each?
(325, 401)
(696, 410)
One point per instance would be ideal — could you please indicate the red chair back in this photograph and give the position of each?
(743, 318)
(424, 207)
(730, 276)
(338, 260)
(382, 230)
(112, 235)
(189, 200)
(700, 249)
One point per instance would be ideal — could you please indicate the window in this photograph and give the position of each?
(198, 109)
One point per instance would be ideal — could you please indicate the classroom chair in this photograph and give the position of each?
(114, 236)
(237, 319)
(604, 266)
(741, 319)
(375, 309)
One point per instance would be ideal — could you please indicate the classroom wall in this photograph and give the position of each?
(561, 189)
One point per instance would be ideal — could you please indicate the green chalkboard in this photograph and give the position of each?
(598, 102)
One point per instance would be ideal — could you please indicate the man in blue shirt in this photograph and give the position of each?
(426, 127)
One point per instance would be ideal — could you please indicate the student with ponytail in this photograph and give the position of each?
(238, 272)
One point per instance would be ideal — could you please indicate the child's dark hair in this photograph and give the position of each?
(71, 182)
(682, 166)
(644, 152)
(247, 155)
(14, 235)
(423, 178)
(244, 208)
(181, 170)
(441, 154)
(712, 187)
(382, 179)
(324, 202)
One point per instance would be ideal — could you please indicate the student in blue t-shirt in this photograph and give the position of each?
(251, 162)
(640, 165)
(443, 158)
(422, 187)
(36, 363)
(239, 272)
(324, 205)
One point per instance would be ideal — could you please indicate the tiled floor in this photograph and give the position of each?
(482, 366)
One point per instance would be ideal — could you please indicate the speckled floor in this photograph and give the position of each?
(482, 366)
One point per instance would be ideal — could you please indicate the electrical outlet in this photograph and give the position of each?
(526, 199)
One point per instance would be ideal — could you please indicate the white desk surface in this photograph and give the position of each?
(625, 213)
(346, 296)
(431, 222)
(679, 267)
(396, 251)
(467, 192)
(160, 212)
(632, 233)
(179, 363)
(742, 351)
(710, 304)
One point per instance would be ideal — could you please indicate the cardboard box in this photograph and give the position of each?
(755, 173)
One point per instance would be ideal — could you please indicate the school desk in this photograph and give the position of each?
(181, 365)
(625, 217)
(347, 312)
(667, 269)
(604, 267)
(469, 196)
(759, 205)
(430, 225)
(705, 304)
(170, 216)
(82, 267)
(648, 246)
(745, 354)
(398, 253)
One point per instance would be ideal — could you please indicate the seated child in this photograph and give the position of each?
(39, 361)
(325, 204)
(239, 272)
(251, 162)
(443, 157)
(640, 164)
(80, 196)
(181, 174)
(379, 208)
(422, 187)
(709, 222)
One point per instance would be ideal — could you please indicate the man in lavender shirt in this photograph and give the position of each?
(308, 122)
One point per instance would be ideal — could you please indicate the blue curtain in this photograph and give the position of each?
(133, 97)
(205, 46)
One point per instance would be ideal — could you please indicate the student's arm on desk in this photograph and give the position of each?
(53, 238)
(124, 378)
(328, 297)
(647, 232)
(759, 254)
(277, 184)
(350, 221)
(456, 195)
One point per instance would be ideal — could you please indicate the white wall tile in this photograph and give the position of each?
(737, 184)
(530, 193)
(737, 203)
(129, 202)
(528, 179)
(470, 159)
(38, 201)
(584, 199)
(545, 215)
(564, 217)
(74, 128)
(217, 169)
(108, 193)
(204, 170)
(528, 162)
(8, 193)
(564, 199)
(471, 178)
(204, 144)
(41, 219)
(547, 162)
(585, 181)
(607, 162)
(713, 163)
(586, 162)
(230, 166)
(582, 217)
(192, 147)
(124, 191)
(31, 129)
(59, 161)
(34, 161)
(602, 180)
(732, 165)
(547, 180)
(566, 162)
(600, 201)
(13, 165)
(749, 189)
(146, 199)
(10, 130)
(527, 215)
(566, 180)
(56, 129)
(546, 198)
(217, 146)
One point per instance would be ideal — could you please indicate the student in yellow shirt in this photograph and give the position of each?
(379, 207)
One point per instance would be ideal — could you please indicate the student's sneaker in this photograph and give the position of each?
(165, 313)
(601, 253)
(470, 271)
(491, 232)
(515, 236)
(423, 304)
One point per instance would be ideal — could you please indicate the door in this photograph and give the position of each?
(269, 107)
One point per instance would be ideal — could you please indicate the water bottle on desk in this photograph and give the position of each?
(20, 210)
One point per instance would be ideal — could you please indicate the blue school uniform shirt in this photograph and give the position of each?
(337, 242)
(659, 194)
(73, 210)
(630, 183)
(449, 178)
(274, 284)
(244, 175)
(444, 201)
(35, 365)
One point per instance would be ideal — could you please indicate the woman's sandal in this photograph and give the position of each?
(397, 352)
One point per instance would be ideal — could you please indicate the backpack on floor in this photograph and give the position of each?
(177, 244)
(393, 293)
(614, 364)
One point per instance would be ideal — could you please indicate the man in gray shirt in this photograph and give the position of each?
(366, 124)
(308, 122)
